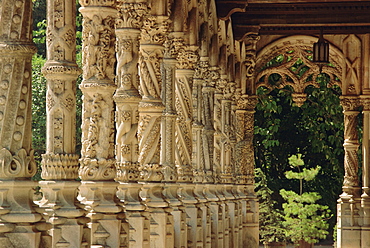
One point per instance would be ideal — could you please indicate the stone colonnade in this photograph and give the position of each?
(167, 129)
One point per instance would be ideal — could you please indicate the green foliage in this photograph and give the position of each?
(315, 130)
(38, 110)
(270, 217)
(304, 219)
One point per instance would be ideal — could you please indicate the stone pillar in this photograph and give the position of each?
(153, 35)
(97, 171)
(60, 161)
(224, 189)
(197, 146)
(127, 98)
(173, 45)
(186, 60)
(210, 78)
(349, 230)
(16, 155)
(365, 197)
(245, 170)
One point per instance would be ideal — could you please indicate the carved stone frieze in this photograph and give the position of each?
(59, 166)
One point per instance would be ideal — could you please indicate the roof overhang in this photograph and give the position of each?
(289, 17)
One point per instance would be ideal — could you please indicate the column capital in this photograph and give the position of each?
(155, 30)
(247, 102)
(365, 102)
(131, 15)
(350, 103)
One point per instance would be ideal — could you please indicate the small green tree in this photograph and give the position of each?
(304, 219)
(270, 217)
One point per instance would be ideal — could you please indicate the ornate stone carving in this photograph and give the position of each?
(59, 166)
(98, 47)
(244, 164)
(296, 48)
(128, 24)
(187, 59)
(97, 161)
(155, 29)
(250, 40)
(150, 74)
(130, 15)
(352, 67)
(19, 165)
(183, 132)
(350, 106)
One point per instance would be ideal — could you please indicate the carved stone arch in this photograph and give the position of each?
(293, 48)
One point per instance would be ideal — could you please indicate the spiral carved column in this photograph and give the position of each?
(349, 201)
(127, 98)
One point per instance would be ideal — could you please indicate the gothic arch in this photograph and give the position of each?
(291, 49)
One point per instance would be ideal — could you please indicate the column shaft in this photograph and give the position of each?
(17, 164)
(98, 165)
(127, 98)
(349, 230)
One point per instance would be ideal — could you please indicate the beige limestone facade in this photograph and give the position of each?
(169, 90)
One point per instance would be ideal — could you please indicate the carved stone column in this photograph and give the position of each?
(153, 35)
(224, 188)
(245, 168)
(60, 161)
(203, 131)
(127, 98)
(349, 202)
(97, 171)
(17, 164)
(186, 61)
(365, 197)
(173, 45)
